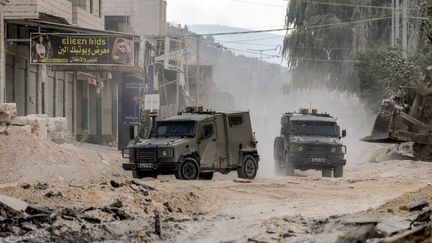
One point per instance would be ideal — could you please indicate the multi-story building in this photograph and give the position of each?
(146, 18)
(143, 17)
(57, 90)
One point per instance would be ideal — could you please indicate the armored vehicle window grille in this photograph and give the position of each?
(318, 150)
(143, 155)
(235, 120)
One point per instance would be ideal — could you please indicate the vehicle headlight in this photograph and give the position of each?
(333, 150)
(300, 148)
(165, 153)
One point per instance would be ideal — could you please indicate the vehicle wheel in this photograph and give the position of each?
(326, 173)
(188, 170)
(143, 174)
(338, 171)
(278, 170)
(289, 169)
(278, 149)
(206, 176)
(249, 168)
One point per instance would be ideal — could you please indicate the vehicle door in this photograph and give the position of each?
(207, 145)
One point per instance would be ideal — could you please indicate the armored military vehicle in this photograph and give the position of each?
(309, 140)
(195, 144)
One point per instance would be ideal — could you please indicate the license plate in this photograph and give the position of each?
(145, 166)
(317, 160)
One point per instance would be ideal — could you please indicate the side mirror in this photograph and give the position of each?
(131, 132)
(344, 133)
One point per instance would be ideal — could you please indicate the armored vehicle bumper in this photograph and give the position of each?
(147, 160)
(316, 163)
(151, 167)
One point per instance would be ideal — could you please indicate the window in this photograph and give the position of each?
(235, 120)
(208, 130)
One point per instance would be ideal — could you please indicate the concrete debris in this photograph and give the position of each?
(158, 225)
(53, 194)
(360, 234)
(117, 213)
(116, 184)
(392, 225)
(5, 117)
(36, 210)
(37, 123)
(11, 207)
(240, 180)
(3, 129)
(44, 127)
(41, 186)
(144, 186)
(417, 234)
(423, 217)
(419, 205)
(57, 129)
(116, 204)
(168, 207)
(9, 108)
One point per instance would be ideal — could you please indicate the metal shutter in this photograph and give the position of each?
(49, 102)
(69, 102)
(32, 90)
(59, 95)
(20, 86)
(9, 79)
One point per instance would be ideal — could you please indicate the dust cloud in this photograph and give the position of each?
(268, 104)
(352, 116)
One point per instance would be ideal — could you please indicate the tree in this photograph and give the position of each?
(325, 55)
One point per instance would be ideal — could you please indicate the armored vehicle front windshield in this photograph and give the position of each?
(175, 129)
(328, 129)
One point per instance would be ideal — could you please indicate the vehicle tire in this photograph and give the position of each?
(206, 176)
(188, 170)
(278, 149)
(338, 171)
(326, 173)
(249, 168)
(278, 170)
(289, 169)
(143, 174)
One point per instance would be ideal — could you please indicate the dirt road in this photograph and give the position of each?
(223, 210)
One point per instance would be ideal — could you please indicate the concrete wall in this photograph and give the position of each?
(85, 19)
(147, 17)
(30, 9)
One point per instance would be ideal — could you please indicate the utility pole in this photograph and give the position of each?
(198, 76)
(405, 29)
(392, 34)
(397, 22)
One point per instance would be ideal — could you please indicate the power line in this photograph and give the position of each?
(351, 5)
(290, 28)
(260, 3)
(325, 3)
(324, 60)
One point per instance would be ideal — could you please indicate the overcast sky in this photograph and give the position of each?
(251, 14)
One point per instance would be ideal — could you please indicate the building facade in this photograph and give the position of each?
(85, 96)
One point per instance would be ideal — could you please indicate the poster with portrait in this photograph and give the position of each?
(77, 49)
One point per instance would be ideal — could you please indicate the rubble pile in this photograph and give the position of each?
(404, 219)
(44, 127)
(94, 211)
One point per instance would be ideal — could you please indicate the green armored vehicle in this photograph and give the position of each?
(309, 140)
(195, 144)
